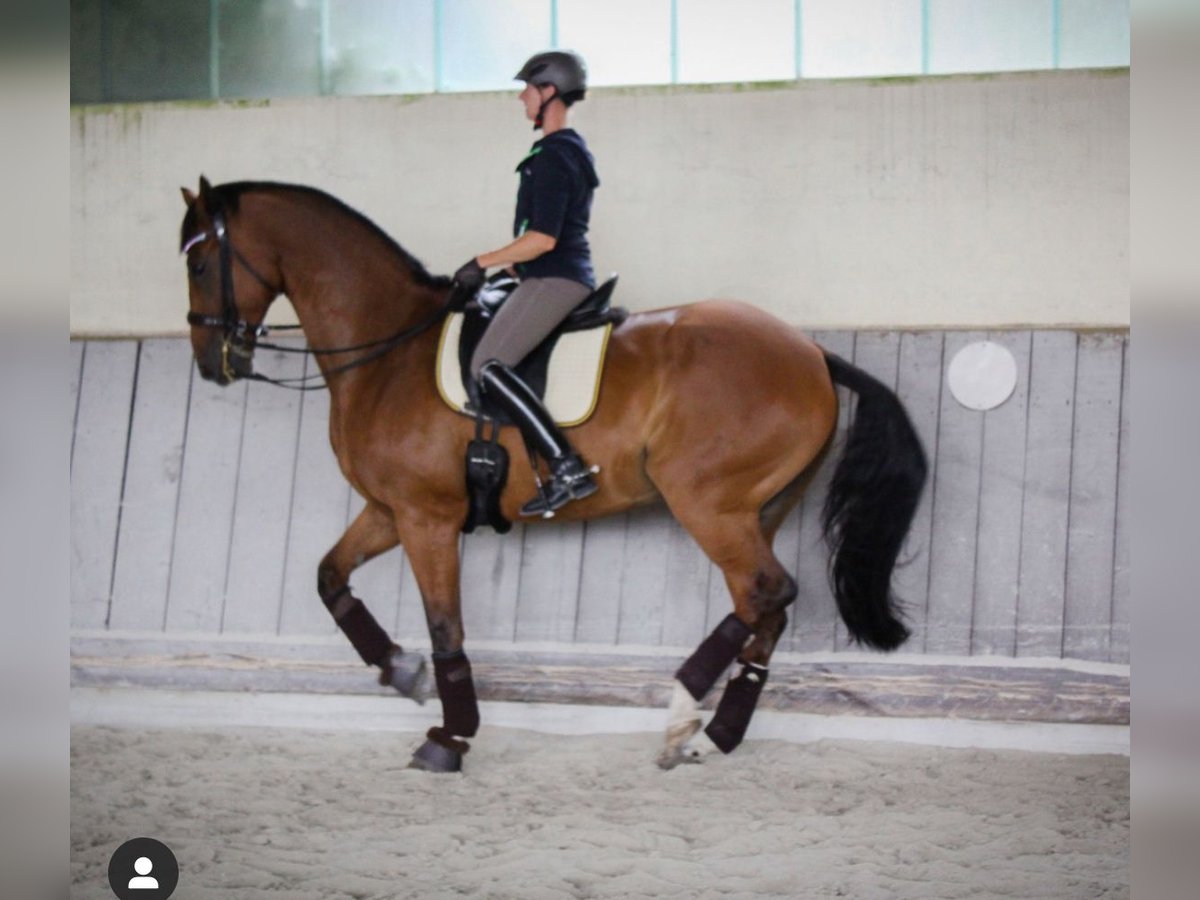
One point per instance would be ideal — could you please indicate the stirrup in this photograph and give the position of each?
(562, 489)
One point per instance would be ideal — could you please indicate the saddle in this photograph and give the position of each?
(487, 460)
(594, 311)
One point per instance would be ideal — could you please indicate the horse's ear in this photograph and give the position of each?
(188, 197)
(207, 194)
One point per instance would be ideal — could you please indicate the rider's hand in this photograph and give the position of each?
(470, 276)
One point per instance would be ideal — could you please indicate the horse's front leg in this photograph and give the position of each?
(432, 550)
(372, 533)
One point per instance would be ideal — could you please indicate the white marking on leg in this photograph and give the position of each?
(683, 721)
(683, 708)
(698, 747)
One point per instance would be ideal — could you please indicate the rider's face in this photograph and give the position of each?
(533, 97)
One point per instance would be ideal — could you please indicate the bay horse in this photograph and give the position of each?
(716, 408)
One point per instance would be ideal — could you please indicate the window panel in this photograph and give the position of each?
(753, 40)
(847, 38)
(87, 58)
(132, 50)
(990, 36)
(484, 43)
(380, 48)
(158, 51)
(269, 48)
(1093, 33)
(623, 41)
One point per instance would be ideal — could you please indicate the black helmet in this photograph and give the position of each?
(564, 69)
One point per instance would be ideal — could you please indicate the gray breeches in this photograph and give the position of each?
(534, 310)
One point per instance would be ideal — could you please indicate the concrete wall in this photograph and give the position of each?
(954, 202)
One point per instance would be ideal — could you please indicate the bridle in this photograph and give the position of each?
(239, 337)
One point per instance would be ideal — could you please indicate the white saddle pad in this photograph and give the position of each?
(572, 379)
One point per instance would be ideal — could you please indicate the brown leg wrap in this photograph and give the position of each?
(713, 656)
(460, 709)
(357, 623)
(732, 718)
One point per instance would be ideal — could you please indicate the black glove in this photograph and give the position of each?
(469, 277)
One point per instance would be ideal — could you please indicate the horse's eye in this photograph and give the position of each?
(196, 268)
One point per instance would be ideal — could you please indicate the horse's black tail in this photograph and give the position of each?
(870, 507)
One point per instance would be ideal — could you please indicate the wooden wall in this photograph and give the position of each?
(199, 511)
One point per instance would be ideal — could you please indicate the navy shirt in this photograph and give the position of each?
(558, 177)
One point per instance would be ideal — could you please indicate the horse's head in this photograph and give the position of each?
(228, 297)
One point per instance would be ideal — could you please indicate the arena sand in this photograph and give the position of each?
(298, 814)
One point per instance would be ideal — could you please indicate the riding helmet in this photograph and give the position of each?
(565, 69)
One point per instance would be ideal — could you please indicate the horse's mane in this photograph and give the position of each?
(229, 195)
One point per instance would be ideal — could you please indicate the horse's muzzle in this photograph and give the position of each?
(224, 362)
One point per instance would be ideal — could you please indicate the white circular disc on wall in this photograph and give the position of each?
(982, 375)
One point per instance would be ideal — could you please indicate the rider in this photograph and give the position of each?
(551, 256)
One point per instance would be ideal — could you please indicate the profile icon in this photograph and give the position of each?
(142, 881)
(143, 869)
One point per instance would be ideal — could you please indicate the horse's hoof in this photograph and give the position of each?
(678, 736)
(408, 674)
(433, 757)
(700, 746)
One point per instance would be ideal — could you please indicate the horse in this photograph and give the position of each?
(715, 408)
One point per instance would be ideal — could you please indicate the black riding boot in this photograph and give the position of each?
(570, 479)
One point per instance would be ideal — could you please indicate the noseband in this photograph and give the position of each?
(237, 335)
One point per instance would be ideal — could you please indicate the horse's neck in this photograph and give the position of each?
(343, 304)
(388, 336)
(359, 312)
(349, 288)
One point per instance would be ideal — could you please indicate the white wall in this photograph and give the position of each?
(941, 202)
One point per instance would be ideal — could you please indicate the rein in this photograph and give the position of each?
(239, 336)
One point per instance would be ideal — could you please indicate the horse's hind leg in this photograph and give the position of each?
(761, 591)
(371, 534)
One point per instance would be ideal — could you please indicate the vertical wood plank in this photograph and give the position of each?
(491, 580)
(720, 601)
(77, 353)
(1122, 611)
(379, 582)
(97, 471)
(1042, 579)
(920, 390)
(141, 581)
(955, 517)
(685, 609)
(411, 625)
(1086, 620)
(644, 576)
(254, 587)
(204, 520)
(998, 557)
(599, 580)
(549, 591)
(878, 353)
(318, 518)
(815, 617)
